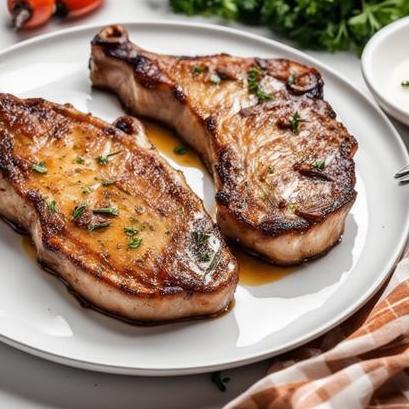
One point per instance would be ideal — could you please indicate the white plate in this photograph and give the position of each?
(39, 316)
(385, 64)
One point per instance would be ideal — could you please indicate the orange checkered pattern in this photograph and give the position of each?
(362, 363)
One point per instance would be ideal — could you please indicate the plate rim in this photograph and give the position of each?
(367, 54)
(254, 356)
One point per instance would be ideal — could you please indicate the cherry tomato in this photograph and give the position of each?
(30, 13)
(76, 8)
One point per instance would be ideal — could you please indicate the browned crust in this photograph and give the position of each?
(115, 43)
(54, 229)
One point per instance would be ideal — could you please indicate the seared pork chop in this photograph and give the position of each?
(109, 215)
(282, 164)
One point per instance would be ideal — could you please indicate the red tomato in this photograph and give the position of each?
(30, 13)
(76, 8)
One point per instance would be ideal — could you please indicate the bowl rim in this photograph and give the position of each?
(367, 69)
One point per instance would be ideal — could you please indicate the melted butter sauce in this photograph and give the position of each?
(253, 271)
(28, 247)
(166, 141)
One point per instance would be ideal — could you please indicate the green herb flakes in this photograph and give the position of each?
(200, 238)
(40, 167)
(292, 207)
(98, 226)
(180, 150)
(319, 164)
(79, 160)
(110, 211)
(135, 243)
(104, 159)
(52, 206)
(197, 69)
(131, 231)
(254, 76)
(295, 120)
(220, 381)
(79, 210)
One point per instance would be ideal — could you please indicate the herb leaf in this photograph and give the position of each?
(79, 160)
(104, 159)
(111, 211)
(79, 210)
(135, 243)
(220, 381)
(180, 150)
(295, 120)
(131, 231)
(52, 206)
(292, 207)
(405, 83)
(200, 238)
(315, 24)
(197, 69)
(87, 190)
(40, 167)
(254, 76)
(319, 164)
(96, 226)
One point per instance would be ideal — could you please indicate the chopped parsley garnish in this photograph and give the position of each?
(135, 243)
(87, 190)
(79, 160)
(96, 226)
(180, 150)
(215, 79)
(52, 206)
(111, 211)
(292, 207)
(131, 231)
(200, 238)
(220, 381)
(104, 159)
(79, 210)
(204, 257)
(197, 69)
(108, 182)
(254, 75)
(295, 120)
(40, 167)
(404, 83)
(319, 164)
(270, 170)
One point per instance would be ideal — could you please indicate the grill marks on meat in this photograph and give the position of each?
(282, 164)
(107, 213)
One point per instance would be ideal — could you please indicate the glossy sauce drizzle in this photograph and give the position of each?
(28, 247)
(253, 271)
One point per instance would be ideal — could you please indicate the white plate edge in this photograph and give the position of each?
(178, 371)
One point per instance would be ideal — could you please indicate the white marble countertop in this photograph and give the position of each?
(31, 383)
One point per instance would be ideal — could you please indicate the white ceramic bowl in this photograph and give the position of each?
(385, 64)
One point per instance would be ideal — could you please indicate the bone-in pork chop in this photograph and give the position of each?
(109, 215)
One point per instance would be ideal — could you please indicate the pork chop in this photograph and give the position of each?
(109, 215)
(282, 164)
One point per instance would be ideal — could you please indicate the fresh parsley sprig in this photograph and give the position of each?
(315, 24)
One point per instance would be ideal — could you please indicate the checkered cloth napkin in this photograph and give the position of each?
(362, 363)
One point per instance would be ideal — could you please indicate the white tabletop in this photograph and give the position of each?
(30, 383)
